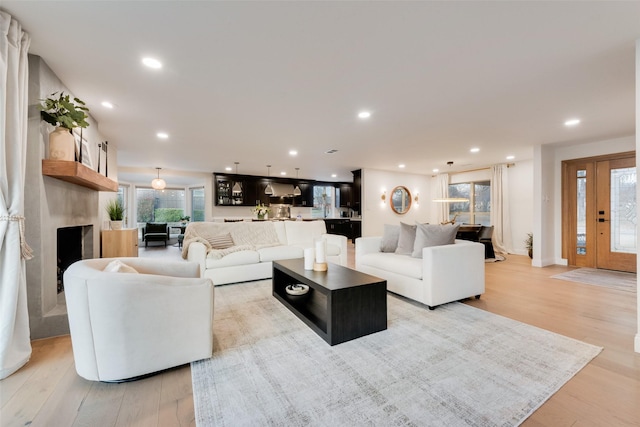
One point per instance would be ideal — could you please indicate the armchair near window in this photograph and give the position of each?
(155, 232)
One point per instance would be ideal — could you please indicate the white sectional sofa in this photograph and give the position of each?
(254, 246)
(444, 273)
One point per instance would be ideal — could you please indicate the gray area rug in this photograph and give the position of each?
(453, 366)
(607, 278)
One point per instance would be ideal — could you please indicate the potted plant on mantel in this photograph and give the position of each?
(64, 113)
(115, 209)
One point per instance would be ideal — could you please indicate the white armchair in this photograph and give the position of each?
(126, 325)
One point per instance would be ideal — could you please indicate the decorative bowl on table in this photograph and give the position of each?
(297, 289)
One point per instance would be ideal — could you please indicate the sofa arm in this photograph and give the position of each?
(367, 245)
(453, 272)
(197, 252)
(341, 242)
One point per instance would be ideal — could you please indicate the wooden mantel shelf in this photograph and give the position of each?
(79, 174)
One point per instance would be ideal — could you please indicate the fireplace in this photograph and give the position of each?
(73, 244)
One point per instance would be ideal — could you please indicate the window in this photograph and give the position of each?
(478, 209)
(197, 204)
(323, 197)
(123, 198)
(166, 205)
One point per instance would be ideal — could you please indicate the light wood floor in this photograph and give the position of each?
(48, 392)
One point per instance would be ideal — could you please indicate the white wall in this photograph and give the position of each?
(375, 213)
(520, 188)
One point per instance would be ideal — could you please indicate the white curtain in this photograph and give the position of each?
(442, 192)
(15, 343)
(500, 209)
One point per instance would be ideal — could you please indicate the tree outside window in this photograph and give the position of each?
(478, 209)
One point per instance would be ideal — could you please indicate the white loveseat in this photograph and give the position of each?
(255, 246)
(444, 273)
(127, 325)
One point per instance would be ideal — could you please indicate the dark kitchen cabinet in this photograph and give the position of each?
(225, 196)
(356, 191)
(346, 195)
(306, 198)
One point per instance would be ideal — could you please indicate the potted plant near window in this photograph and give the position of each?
(64, 113)
(116, 212)
(184, 219)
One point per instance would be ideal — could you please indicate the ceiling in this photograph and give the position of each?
(250, 81)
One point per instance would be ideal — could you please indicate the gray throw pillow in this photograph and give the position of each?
(406, 239)
(390, 237)
(428, 235)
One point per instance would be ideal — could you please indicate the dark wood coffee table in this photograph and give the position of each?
(342, 304)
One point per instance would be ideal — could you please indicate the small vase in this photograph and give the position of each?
(261, 217)
(116, 225)
(62, 145)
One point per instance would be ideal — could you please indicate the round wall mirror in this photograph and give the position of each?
(400, 200)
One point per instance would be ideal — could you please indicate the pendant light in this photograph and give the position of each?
(158, 183)
(237, 189)
(296, 190)
(269, 189)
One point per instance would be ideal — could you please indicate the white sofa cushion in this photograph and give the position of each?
(280, 231)
(275, 253)
(302, 233)
(399, 264)
(234, 258)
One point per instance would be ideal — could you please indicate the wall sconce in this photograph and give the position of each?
(416, 198)
(383, 197)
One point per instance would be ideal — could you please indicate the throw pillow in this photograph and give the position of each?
(222, 241)
(406, 239)
(390, 237)
(117, 266)
(428, 235)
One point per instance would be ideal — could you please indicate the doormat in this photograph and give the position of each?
(607, 278)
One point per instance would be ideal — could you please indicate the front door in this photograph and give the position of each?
(599, 212)
(616, 214)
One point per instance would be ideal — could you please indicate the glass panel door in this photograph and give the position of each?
(623, 210)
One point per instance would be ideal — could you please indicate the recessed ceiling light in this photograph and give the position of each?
(474, 150)
(436, 170)
(228, 168)
(572, 122)
(334, 175)
(364, 114)
(511, 157)
(283, 173)
(401, 165)
(152, 63)
(293, 153)
(107, 104)
(162, 135)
